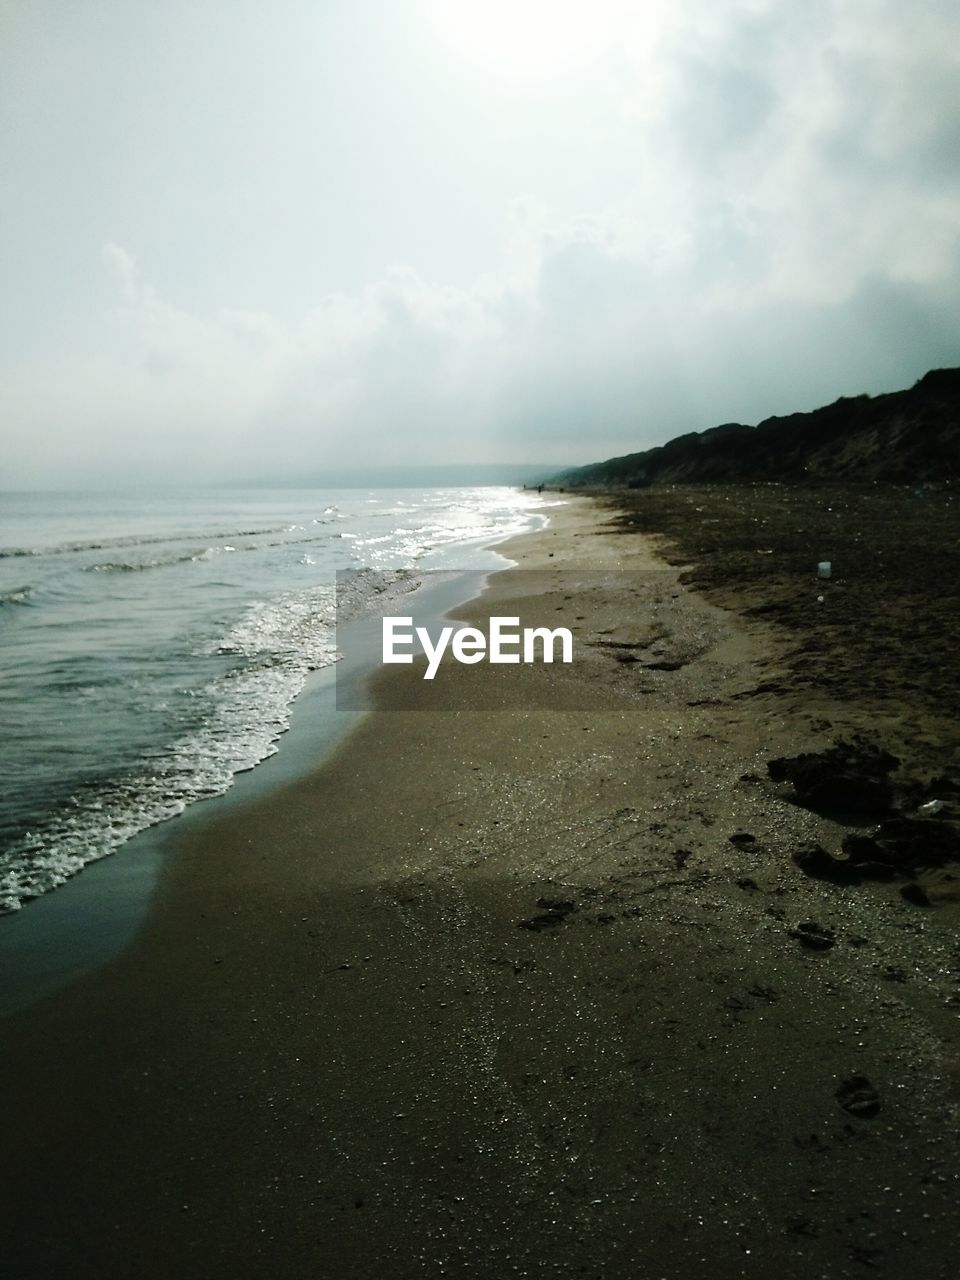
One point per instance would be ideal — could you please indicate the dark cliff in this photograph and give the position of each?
(901, 437)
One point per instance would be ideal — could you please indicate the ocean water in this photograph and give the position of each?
(151, 646)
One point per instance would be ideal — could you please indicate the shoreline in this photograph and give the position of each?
(72, 931)
(496, 993)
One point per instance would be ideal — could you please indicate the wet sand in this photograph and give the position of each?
(494, 993)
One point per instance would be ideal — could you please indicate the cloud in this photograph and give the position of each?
(782, 230)
(123, 268)
(589, 353)
(805, 129)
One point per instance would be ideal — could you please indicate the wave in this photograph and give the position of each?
(164, 562)
(20, 595)
(193, 557)
(243, 713)
(262, 658)
(364, 592)
(293, 630)
(139, 540)
(123, 566)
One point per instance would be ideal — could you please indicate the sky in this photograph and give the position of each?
(256, 240)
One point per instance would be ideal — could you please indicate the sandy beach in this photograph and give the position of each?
(506, 990)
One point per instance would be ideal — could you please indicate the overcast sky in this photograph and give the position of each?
(243, 237)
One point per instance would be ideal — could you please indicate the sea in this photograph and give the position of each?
(152, 644)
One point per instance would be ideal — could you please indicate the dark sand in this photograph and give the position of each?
(493, 993)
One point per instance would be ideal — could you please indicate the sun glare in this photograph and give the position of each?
(527, 38)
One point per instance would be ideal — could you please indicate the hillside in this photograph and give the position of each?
(900, 437)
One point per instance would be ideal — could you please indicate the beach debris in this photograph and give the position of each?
(916, 894)
(816, 937)
(742, 839)
(857, 1096)
(931, 808)
(562, 905)
(849, 777)
(536, 923)
(813, 859)
(824, 569)
(765, 686)
(553, 912)
(898, 847)
(903, 845)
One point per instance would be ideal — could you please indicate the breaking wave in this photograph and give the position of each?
(241, 716)
(20, 595)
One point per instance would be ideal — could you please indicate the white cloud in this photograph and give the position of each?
(122, 266)
(770, 221)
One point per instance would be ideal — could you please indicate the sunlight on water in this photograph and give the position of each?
(151, 649)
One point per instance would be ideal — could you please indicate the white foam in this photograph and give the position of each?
(280, 641)
(269, 650)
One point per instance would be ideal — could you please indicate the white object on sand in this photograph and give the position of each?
(930, 808)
